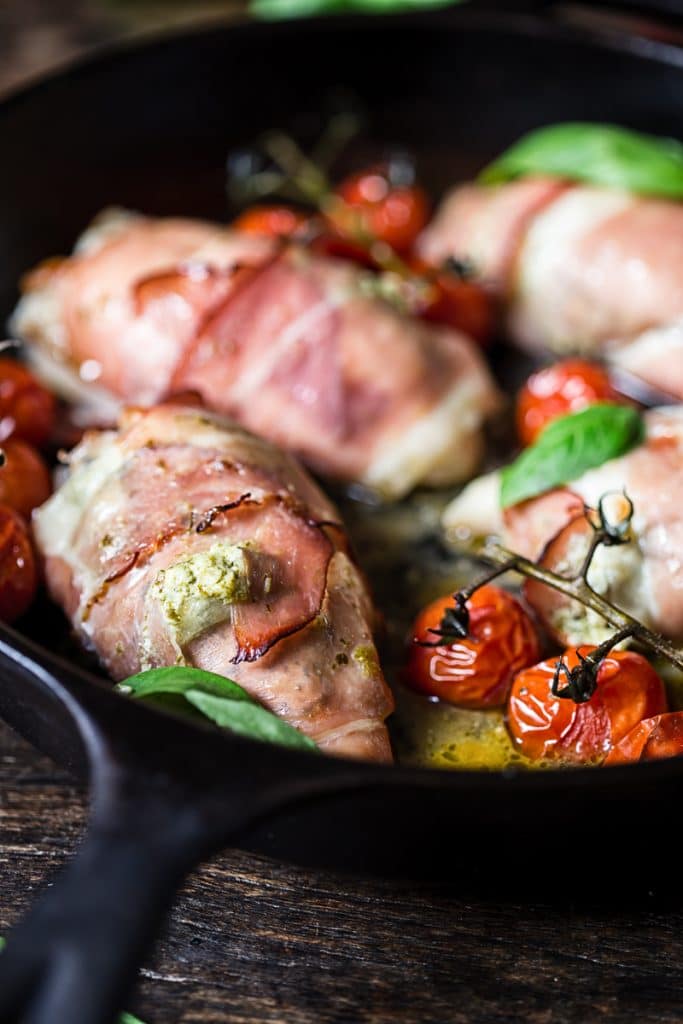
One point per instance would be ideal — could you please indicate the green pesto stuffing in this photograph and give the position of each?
(196, 592)
(366, 656)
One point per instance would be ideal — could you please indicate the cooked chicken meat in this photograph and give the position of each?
(294, 346)
(644, 577)
(183, 539)
(579, 269)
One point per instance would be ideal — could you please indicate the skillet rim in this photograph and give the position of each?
(480, 19)
(507, 780)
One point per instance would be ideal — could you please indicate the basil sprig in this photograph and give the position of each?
(197, 693)
(570, 446)
(603, 154)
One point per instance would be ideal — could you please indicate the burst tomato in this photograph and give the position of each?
(27, 410)
(18, 576)
(559, 389)
(547, 727)
(651, 739)
(376, 205)
(271, 221)
(24, 477)
(475, 672)
(450, 299)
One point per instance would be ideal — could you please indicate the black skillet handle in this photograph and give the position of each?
(165, 795)
(74, 957)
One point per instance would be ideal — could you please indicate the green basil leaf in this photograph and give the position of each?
(248, 719)
(274, 9)
(603, 154)
(198, 694)
(570, 446)
(179, 679)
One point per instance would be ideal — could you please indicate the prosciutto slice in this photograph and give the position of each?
(295, 346)
(644, 577)
(182, 539)
(579, 268)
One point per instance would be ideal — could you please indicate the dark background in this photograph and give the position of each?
(252, 940)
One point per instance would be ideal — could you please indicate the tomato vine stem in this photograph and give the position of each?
(580, 590)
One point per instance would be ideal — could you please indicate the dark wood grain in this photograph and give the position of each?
(253, 941)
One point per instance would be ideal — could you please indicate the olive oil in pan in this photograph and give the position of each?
(400, 549)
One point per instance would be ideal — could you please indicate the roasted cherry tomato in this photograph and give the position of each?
(555, 728)
(653, 738)
(24, 477)
(379, 204)
(271, 221)
(27, 410)
(475, 672)
(559, 389)
(453, 300)
(18, 576)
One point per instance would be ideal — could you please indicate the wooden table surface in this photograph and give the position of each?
(254, 941)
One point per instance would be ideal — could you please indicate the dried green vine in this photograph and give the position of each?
(287, 172)
(609, 531)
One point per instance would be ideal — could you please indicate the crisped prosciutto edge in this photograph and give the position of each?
(246, 651)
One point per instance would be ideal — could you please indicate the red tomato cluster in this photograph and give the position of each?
(18, 574)
(559, 389)
(546, 727)
(475, 672)
(374, 206)
(27, 410)
(651, 739)
(27, 414)
(371, 207)
(497, 664)
(271, 221)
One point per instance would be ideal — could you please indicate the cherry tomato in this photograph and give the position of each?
(27, 410)
(475, 672)
(376, 205)
(555, 728)
(18, 575)
(450, 299)
(558, 389)
(271, 221)
(653, 738)
(24, 477)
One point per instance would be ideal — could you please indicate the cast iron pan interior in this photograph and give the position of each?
(150, 128)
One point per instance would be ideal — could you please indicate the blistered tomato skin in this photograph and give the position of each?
(27, 410)
(18, 575)
(374, 206)
(475, 672)
(24, 477)
(559, 389)
(650, 740)
(545, 727)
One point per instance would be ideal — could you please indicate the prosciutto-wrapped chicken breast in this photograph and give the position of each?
(644, 577)
(579, 269)
(183, 539)
(294, 346)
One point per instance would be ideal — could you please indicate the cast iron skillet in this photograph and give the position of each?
(150, 128)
